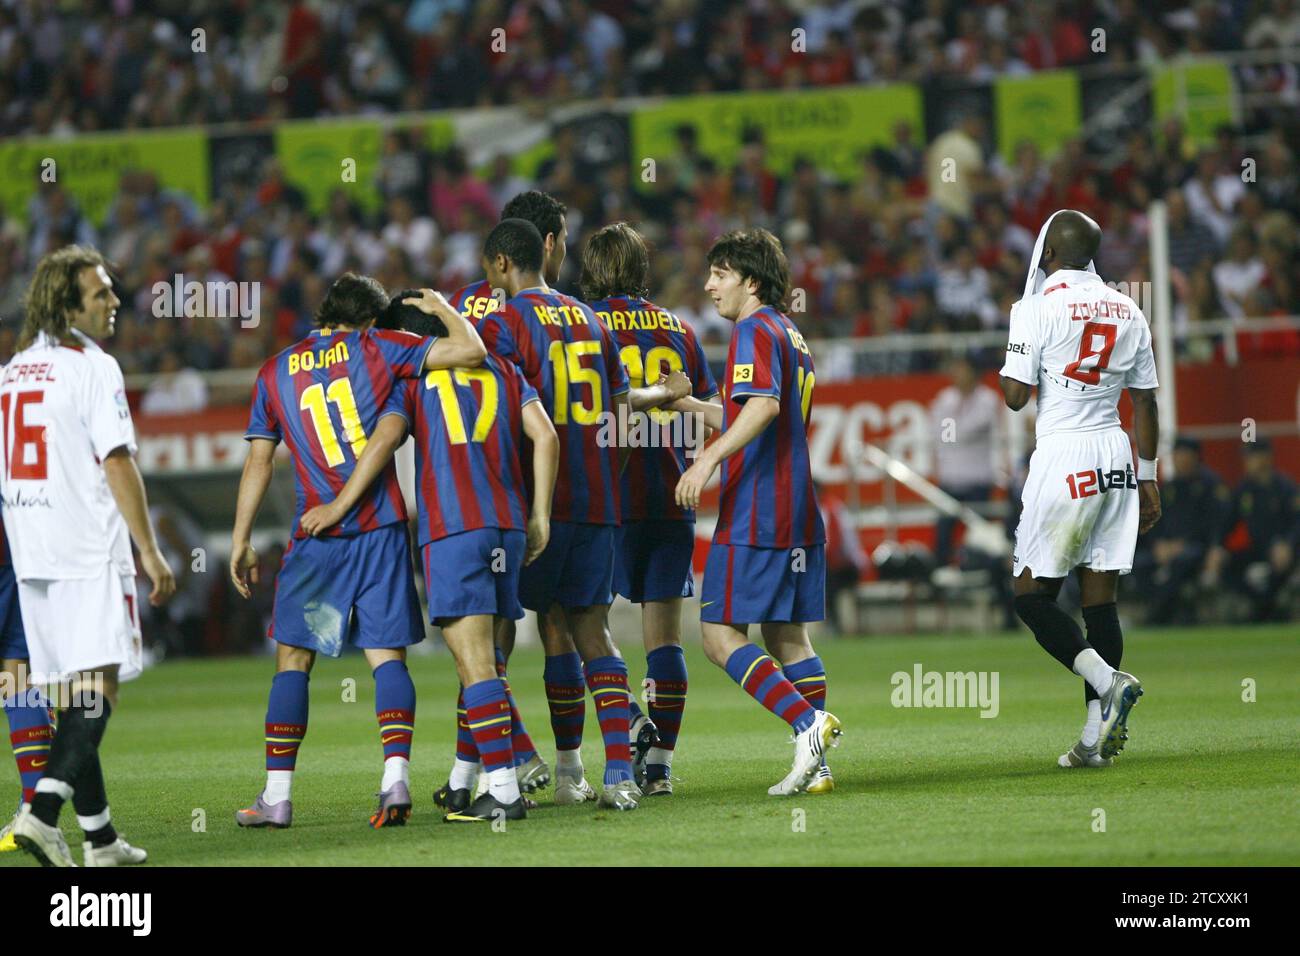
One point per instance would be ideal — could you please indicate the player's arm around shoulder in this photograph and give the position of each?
(380, 448)
(1146, 428)
(462, 347)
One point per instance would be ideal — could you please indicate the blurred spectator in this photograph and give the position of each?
(955, 164)
(965, 418)
(846, 562)
(1264, 530)
(1239, 276)
(1195, 505)
(175, 389)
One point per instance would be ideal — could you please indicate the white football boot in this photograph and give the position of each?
(809, 747)
(118, 853)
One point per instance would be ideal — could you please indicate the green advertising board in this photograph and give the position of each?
(319, 156)
(90, 167)
(1201, 92)
(1043, 108)
(833, 126)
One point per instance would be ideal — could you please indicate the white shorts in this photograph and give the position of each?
(1080, 505)
(81, 624)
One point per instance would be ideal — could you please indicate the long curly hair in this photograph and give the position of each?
(55, 293)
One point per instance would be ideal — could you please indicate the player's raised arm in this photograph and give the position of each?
(462, 347)
(1146, 429)
(387, 438)
(259, 466)
(127, 486)
(759, 412)
(546, 465)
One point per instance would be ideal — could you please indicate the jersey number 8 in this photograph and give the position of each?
(1092, 374)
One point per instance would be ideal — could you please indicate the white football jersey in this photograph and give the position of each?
(63, 409)
(1082, 343)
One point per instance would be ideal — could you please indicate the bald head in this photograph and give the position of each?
(1072, 241)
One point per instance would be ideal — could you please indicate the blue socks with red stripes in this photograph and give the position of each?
(761, 678)
(566, 696)
(487, 712)
(286, 725)
(666, 699)
(395, 711)
(607, 678)
(30, 735)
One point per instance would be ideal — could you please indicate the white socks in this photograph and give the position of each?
(1092, 729)
(396, 770)
(1089, 665)
(658, 755)
(569, 763)
(503, 785)
(463, 774)
(279, 783)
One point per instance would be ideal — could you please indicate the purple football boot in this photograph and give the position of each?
(394, 807)
(262, 814)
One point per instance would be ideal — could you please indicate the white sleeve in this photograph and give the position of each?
(106, 414)
(1143, 372)
(1022, 346)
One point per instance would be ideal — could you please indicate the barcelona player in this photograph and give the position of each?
(26, 710)
(474, 302)
(657, 538)
(475, 534)
(766, 565)
(568, 356)
(323, 397)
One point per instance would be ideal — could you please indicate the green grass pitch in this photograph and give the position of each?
(1207, 778)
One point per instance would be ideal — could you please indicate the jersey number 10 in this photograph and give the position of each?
(642, 371)
(25, 436)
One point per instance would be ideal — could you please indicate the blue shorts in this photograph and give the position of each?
(474, 572)
(764, 585)
(652, 560)
(13, 639)
(358, 589)
(575, 570)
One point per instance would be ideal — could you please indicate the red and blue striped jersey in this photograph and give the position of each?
(767, 498)
(474, 301)
(469, 433)
(651, 342)
(568, 356)
(323, 397)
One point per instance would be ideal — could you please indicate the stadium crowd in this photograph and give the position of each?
(893, 249)
(80, 65)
